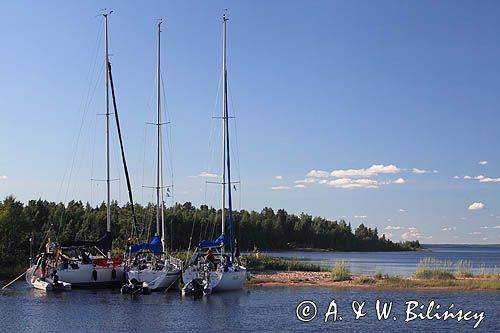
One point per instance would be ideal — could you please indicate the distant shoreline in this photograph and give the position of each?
(312, 249)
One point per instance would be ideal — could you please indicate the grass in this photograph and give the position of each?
(430, 274)
(265, 263)
(463, 269)
(455, 284)
(341, 271)
(367, 280)
(430, 268)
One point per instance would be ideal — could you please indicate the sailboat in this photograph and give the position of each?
(151, 264)
(86, 263)
(222, 272)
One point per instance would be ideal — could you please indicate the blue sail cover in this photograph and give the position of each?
(154, 246)
(216, 243)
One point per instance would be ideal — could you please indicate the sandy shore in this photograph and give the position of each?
(323, 279)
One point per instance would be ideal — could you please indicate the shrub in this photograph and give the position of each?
(367, 280)
(341, 271)
(278, 264)
(377, 275)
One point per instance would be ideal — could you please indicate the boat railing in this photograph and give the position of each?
(176, 262)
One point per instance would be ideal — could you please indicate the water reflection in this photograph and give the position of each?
(401, 263)
(253, 309)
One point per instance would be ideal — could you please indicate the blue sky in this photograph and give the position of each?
(364, 93)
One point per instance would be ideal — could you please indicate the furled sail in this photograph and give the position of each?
(154, 246)
(220, 241)
(103, 243)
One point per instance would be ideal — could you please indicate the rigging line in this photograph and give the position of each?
(161, 184)
(169, 144)
(169, 130)
(82, 106)
(237, 145)
(172, 219)
(143, 163)
(93, 150)
(211, 145)
(121, 146)
(75, 146)
(85, 102)
(150, 216)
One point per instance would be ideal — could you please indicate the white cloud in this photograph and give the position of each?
(484, 227)
(353, 178)
(351, 183)
(395, 227)
(360, 216)
(496, 227)
(489, 180)
(483, 162)
(277, 188)
(479, 177)
(449, 228)
(401, 210)
(467, 177)
(485, 238)
(420, 171)
(456, 177)
(306, 181)
(205, 174)
(387, 235)
(278, 177)
(299, 186)
(318, 173)
(370, 172)
(411, 234)
(3, 177)
(476, 206)
(399, 181)
(475, 233)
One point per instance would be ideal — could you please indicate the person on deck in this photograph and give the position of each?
(236, 251)
(49, 247)
(210, 259)
(44, 266)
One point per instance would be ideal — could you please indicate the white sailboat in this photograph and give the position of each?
(86, 263)
(223, 272)
(150, 265)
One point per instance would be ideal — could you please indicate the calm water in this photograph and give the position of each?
(258, 310)
(401, 263)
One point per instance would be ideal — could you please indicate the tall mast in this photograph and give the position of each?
(228, 158)
(108, 185)
(158, 151)
(224, 120)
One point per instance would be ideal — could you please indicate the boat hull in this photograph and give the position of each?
(49, 286)
(232, 280)
(156, 279)
(84, 276)
(219, 280)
